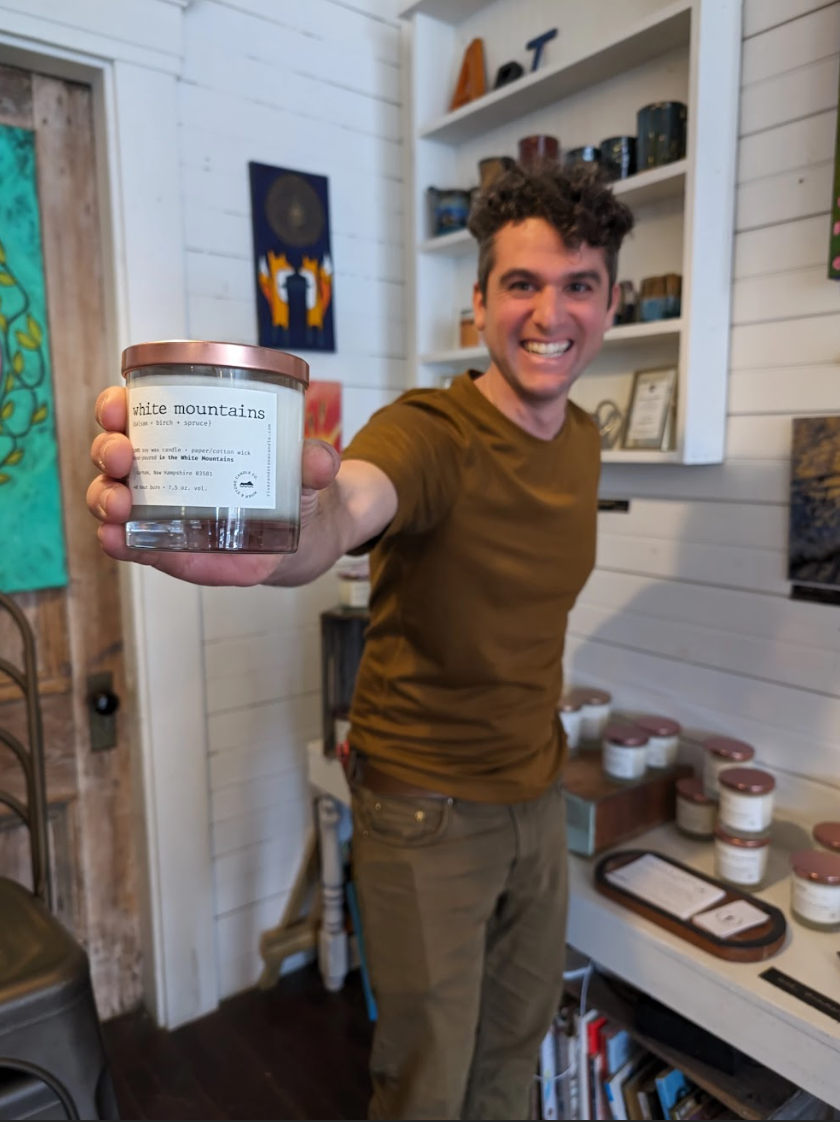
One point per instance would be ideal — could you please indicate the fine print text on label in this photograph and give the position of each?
(198, 446)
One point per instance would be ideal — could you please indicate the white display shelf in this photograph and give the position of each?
(447, 11)
(651, 38)
(614, 56)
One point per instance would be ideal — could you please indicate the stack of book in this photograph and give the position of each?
(591, 1068)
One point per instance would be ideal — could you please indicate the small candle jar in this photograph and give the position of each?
(663, 739)
(827, 835)
(217, 431)
(738, 860)
(746, 799)
(815, 889)
(353, 589)
(723, 752)
(595, 706)
(571, 716)
(696, 812)
(625, 752)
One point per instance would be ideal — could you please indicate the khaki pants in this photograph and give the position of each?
(464, 913)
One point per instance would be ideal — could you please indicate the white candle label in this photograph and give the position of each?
(624, 763)
(750, 813)
(818, 902)
(202, 446)
(696, 818)
(741, 864)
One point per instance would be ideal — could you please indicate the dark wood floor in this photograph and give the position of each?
(294, 1052)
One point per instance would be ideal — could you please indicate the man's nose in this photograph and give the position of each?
(548, 308)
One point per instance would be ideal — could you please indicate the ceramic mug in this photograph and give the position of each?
(661, 134)
(534, 149)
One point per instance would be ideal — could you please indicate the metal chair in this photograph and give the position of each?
(49, 1026)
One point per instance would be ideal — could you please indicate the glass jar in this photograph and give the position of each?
(738, 860)
(595, 706)
(625, 752)
(663, 739)
(827, 835)
(353, 589)
(217, 431)
(815, 889)
(571, 716)
(696, 812)
(722, 752)
(746, 799)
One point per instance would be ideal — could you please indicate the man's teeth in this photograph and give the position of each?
(548, 349)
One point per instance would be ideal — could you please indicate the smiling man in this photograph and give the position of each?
(478, 504)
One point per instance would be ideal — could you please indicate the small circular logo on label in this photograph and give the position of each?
(245, 484)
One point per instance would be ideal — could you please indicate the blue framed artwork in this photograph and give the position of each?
(293, 268)
(32, 550)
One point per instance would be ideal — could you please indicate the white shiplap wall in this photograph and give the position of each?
(688, 611)
(313, 86)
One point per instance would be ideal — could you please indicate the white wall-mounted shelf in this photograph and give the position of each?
(608, 61)
(652, 37)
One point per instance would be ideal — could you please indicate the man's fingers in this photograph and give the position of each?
(112, 453)
(110, 410)
(108, 500)
(320, 464)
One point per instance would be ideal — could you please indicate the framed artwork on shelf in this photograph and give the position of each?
(650, 412)
(814, 536)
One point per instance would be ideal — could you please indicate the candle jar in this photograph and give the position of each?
(746, 799)
(827, 835)
(696, 812)
(815, 889)
(595, 708)
(625, 752)
(722, 752)
(353, 589)
(571, 716)
(740, 861)
(217, 431)
(663, 739)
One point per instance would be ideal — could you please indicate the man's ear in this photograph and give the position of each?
(479, 310)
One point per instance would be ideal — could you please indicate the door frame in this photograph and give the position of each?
(139, 180)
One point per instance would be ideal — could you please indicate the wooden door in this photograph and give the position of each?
(78, 628)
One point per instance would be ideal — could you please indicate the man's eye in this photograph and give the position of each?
(580, 286)
(521, 286)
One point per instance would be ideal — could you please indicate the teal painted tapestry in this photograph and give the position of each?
(32, 553)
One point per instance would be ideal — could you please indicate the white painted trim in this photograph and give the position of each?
(136, 118)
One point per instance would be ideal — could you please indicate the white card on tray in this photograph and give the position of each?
(668, 887)
(729, 919)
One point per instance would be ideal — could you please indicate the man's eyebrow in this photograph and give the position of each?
(591, 275)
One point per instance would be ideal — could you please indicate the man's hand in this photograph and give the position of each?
(109, 500)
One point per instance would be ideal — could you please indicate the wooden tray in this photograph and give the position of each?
(753, 945)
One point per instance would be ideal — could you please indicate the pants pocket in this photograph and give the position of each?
(398, 820)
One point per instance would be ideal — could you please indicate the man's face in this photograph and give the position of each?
(545, 312)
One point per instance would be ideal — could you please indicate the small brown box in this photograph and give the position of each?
(601, 813)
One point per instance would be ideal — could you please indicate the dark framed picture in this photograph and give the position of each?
(293, 268)
(814, 535)
(650, 412)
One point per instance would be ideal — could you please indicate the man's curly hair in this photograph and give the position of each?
(577, 201)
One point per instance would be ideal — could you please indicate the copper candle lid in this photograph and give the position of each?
(587, 696)
(625, 736)
(658, 726)
(754, 842)
(813, 865)
(730, 747)
(691, 788)
(749, 780)
(569, 704)
(828, 834)
(199, 352)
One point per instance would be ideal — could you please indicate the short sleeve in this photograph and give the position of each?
(419, 442)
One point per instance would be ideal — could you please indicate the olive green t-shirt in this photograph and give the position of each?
(471, 586)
